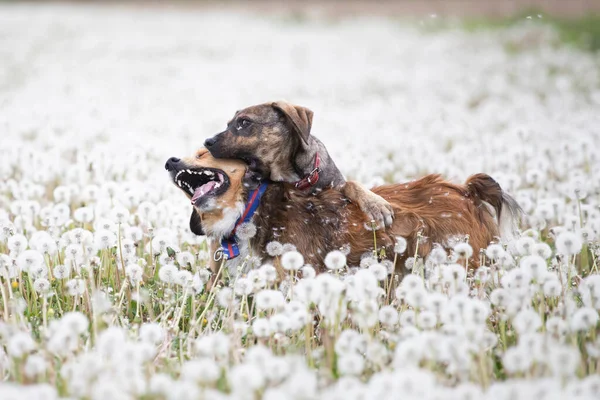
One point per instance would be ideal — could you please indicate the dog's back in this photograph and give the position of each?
(437, 211)
(445, 213)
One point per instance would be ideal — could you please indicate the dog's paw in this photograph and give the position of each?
(377, 210)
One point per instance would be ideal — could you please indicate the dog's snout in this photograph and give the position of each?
(209, 142)
(171, 163)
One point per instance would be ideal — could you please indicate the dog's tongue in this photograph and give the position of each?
(202, 190)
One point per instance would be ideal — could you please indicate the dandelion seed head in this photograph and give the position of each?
(568, 243)
(274, 249)
(261, 328)
(335, 260)
(168, 273)
(75, 287)
(464, 250)
(379, 271)
(269, 300)
(292, 261)
(19, 345)
(400, 245)
(584, 319)
(246, 231)
(41, 285)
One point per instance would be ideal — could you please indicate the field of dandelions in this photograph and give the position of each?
(103, 287)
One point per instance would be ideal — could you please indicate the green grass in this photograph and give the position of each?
(582, 32)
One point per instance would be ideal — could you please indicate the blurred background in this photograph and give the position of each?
(407, 80)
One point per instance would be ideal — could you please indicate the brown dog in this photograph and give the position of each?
(275, 140)
(431, 208)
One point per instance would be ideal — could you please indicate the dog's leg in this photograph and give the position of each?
(374, 206)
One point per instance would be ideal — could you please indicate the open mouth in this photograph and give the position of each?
(200, 183)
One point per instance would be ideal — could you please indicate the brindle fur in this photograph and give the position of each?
(277, 145)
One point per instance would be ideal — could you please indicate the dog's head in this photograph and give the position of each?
(266, 136)
(214, 187)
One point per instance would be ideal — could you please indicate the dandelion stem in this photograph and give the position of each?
(120, 251)
(44, 311)
(4, 301)
(180, 313)
(137, 303)
(374, 228)
(211, 294)
(416, 257)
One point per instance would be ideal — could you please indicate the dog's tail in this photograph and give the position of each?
(508, 211)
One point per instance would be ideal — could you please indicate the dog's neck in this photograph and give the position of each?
(219, 223)
(304, 164)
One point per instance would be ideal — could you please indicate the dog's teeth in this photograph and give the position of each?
(179, 183)
(209, 173)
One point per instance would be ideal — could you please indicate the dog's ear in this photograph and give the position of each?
(196, 223)
(300, 117)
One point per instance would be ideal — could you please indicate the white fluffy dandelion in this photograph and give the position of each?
(20, 344)
(494, 251)
(308, 272)
(168, 273)
(379, 271)
(35, 366)
(335, 260)
(29, 260)
(243, 287)
(388, 316)
(83, 214)
(184, 278)
(246, 231)
(135, 273)
(351, 364)
(61, 271)
(463, 250)
(400, 245)
(292, 261)
(584, 319)
(75, 287)
(274, 249)
(104, 239)
(261, 327)
(41, 285)
(535, 266)
(17, 244)
(152, 332)
(269, 299)
(185, 259)
(568, 243)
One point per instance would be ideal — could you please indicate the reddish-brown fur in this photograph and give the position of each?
(435, 209)
(432, 209)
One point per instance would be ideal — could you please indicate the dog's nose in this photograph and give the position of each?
(171, 163)
(209, 142)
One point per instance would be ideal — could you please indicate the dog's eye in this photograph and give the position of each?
(241, 124)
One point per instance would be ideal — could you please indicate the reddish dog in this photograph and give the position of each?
(316, 224)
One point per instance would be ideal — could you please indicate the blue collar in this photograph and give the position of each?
(229, 244)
